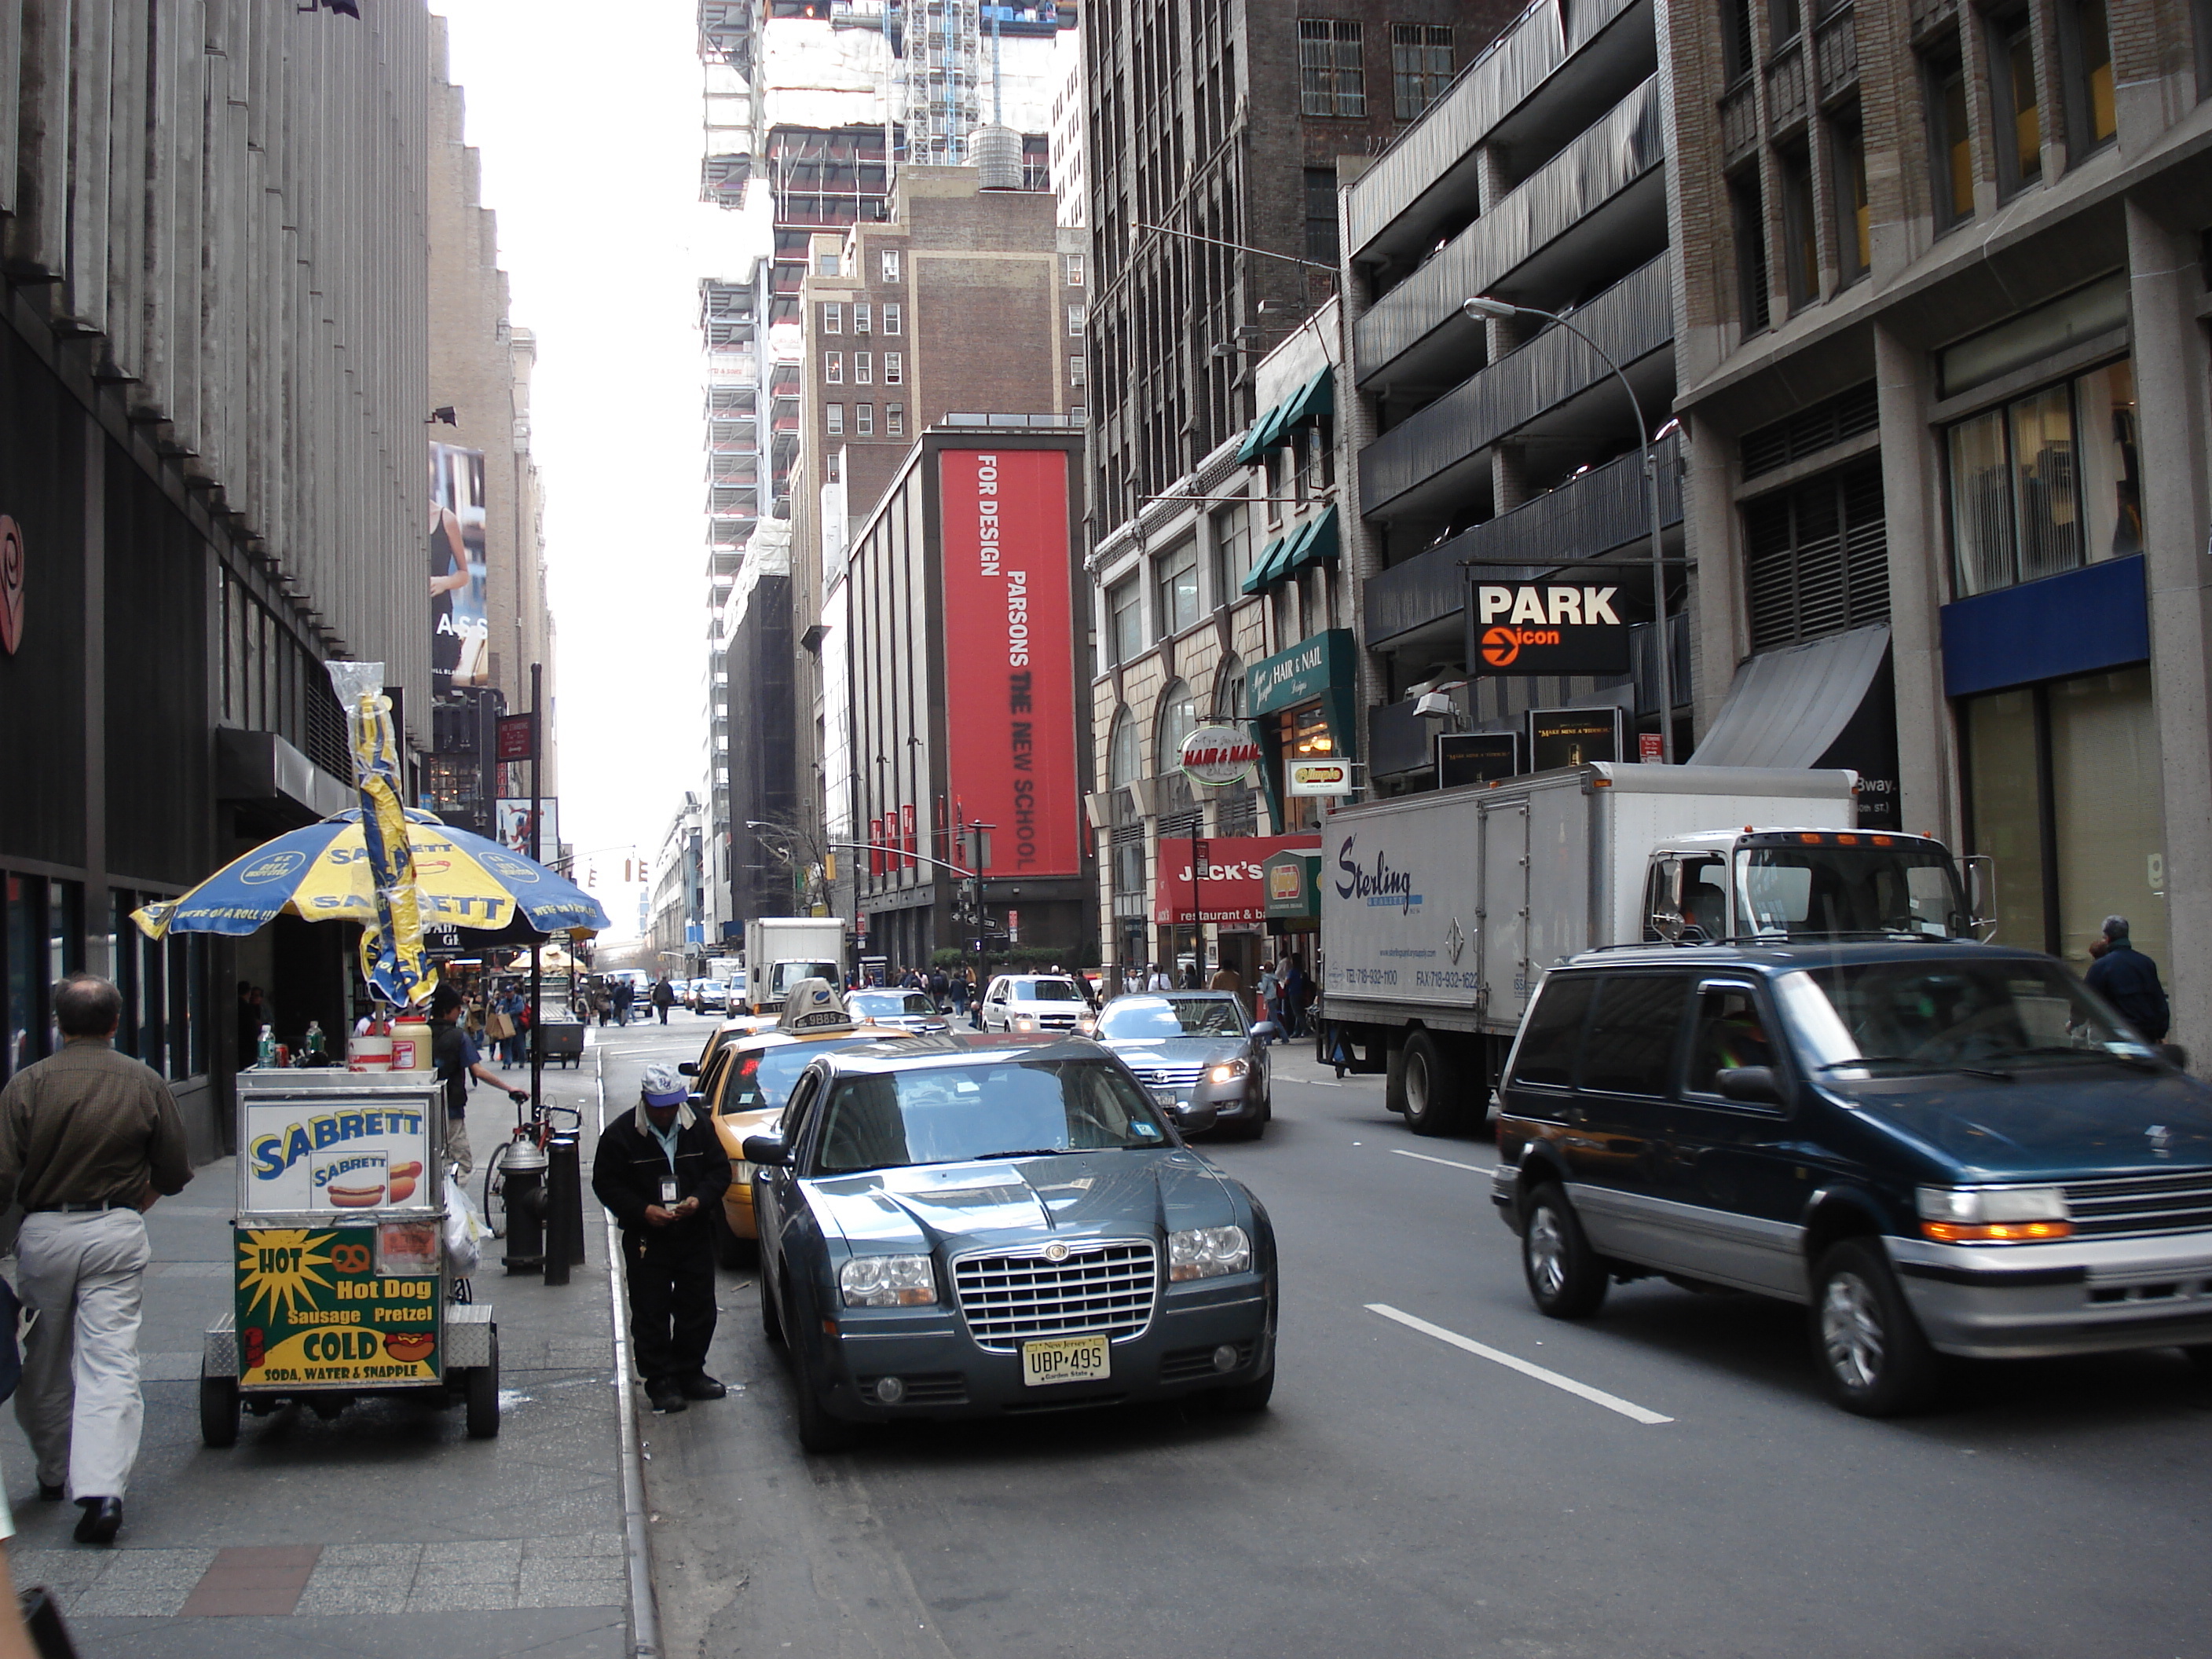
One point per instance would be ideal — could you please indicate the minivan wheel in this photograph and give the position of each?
(1874, 1358)
(1567, 1279)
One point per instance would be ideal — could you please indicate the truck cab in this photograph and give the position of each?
(1774, 885)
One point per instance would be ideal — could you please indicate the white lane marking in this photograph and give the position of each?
(1595, 1396)
(1449, 1163)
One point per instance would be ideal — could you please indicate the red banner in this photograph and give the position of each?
(1232, 889)
(1010, 655)
(906, 833)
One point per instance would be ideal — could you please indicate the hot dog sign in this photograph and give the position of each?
(329, 1157)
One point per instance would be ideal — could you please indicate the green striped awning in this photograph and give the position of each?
(1257, 577)
(1311, 402)
(1315, 541)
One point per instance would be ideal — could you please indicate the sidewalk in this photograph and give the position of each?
(385, 1531)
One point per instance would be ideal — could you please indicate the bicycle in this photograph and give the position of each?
(535, 1125)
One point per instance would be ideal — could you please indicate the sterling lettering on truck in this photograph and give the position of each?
(1381, 886)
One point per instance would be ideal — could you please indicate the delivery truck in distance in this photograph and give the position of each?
(780, 950)
(1441, 911)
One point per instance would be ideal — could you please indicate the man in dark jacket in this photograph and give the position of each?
(661, 1171)
(2128, 979)
(663, 997)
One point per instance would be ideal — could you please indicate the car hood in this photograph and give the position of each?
(1069, 1195)
(2062, 1121)
(1137, 1052)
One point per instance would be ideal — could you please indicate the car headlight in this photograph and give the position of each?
(1086, 1024)
(1993, 1215)
(1208, 1252)
(1025, 1022)
(888, 1281)
(1229, 1071)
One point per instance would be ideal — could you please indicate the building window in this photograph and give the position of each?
(1320, 214)
(1802, 249)
(894, 367)
(1816, 558)
(833, 368)
(2047, 483)
(1232, 551)
(837, 419)
(860, 316)
(891, 310)
(2089, 71)
(1178, 719)
(1071, 268)
(1786, 19)
(890, 264)
(2018, 113)
(895, 420)
(1331, 71)
(1125, 752)
(1854, 225)
(1125, 623)
(1737, 53)
(1950, 157)
(1750, 216)
(863, 420)
(825, 264)
(864, 368)
(1078, 365)
(833, 318)
(1420, 65)
(1175, 580)
(1075, 322)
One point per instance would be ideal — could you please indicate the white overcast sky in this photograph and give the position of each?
(588, 118)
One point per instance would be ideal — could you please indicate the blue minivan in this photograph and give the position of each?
(1939, 1147)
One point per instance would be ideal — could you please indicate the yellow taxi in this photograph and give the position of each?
(744, 1080)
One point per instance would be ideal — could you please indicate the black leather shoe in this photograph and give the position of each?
(52, 1494)
(665, 1396)
(699, 1386)
(103, 1519)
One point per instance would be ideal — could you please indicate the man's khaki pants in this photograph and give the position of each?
(458, 1151)
(79, 1400)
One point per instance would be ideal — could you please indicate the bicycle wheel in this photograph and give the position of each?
(495, 1218)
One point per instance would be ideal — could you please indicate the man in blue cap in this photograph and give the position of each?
(659, 1171)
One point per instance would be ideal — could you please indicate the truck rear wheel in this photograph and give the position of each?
(1433, 1085)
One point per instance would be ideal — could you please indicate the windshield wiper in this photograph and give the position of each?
(1914, 1060)
(1034, 1151)
(2133, 1062)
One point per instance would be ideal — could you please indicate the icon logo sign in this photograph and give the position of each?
(1218, 756)
(1531, 629)
(12, 560)
(276, 867)
(1056, 1252)
(1501, 646)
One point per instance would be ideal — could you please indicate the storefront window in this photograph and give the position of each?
(1303, 734)
(2046, 483)
(2085, 841)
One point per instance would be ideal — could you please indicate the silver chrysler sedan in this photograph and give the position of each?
(1190, 1047)
(968, 1227)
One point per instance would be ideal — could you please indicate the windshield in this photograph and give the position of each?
(889, 1005)
(1046, 990)
(760, 1081)
(1885, 1017)
(1816, 890)
(1175, 1017)
(951, 1113)
(788, 973)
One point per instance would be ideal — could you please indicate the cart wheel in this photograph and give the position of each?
(483, 1396)
(219, 1409)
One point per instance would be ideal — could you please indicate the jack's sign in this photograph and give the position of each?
(1541, 628)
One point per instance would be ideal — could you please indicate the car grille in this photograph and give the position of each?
(1015, 1296)
(1169, 1077)
(2177, 1203)
(1056, 1022)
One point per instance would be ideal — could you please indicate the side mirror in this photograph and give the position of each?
(1754, 1085)
(1196, 1118)
(1981, 896)
(687, 1068)
(768, 1149)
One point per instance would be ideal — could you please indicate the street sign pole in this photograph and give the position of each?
(1199, 850)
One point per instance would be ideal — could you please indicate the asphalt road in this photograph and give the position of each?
(1667, 1482)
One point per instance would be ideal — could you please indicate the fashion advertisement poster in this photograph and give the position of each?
(459, 632)
(1010, 656)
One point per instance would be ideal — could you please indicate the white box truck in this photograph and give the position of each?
(1441, 911)
(780, 950)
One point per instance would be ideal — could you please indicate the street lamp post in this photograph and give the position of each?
(1482, 306)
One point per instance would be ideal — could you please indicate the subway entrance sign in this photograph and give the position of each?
(1545, 627)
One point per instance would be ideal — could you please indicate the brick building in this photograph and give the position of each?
(1945, 386)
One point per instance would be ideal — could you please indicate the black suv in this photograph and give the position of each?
(1938, 1146)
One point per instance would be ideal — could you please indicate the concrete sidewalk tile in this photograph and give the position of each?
(142, 1584)
(206, 1604)
(573, 1590)
(353, 1556)
(459, 1597)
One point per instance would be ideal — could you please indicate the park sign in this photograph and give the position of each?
(1219, 755)
(1543, 628)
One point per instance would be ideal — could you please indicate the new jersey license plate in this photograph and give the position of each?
(1065, 1359)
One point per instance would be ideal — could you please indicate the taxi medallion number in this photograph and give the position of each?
(1065, 1359)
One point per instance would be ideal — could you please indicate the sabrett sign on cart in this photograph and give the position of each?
(273, 1154)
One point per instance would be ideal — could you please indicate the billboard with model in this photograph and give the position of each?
(460, 633)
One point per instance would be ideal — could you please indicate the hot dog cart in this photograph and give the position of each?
(341, 1275)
